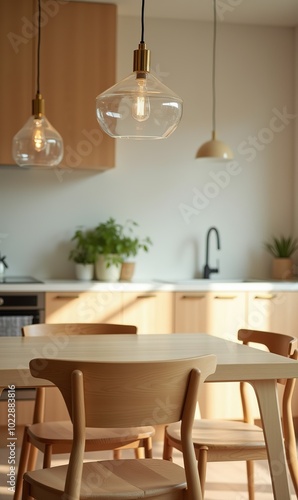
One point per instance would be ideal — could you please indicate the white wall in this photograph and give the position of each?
(174, 197)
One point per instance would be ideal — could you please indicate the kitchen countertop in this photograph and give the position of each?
(191, 285)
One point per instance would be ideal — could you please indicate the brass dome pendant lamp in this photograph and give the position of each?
(214, 149)
(37, 144)
(140, 106)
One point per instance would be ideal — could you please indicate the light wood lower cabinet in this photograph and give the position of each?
(151, 312)
(86, 307)
(220, 314)
(273, 311)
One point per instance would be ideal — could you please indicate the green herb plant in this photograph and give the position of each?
(84, 252)
(282, 248)
(117, 242)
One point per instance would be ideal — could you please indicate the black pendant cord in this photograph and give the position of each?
(213, 69)
(142, 18)
(38, 48)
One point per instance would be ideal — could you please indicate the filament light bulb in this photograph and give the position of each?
(39, 140)
(141, 105)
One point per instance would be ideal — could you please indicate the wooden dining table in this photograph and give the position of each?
(235, 362)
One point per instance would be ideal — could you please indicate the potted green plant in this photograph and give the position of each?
(83, 254)
(115, 243)
(107, 240)
(131, 245)
(282, 249)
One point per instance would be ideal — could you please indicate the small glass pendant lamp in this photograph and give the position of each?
(37, 144)
(214, 149)
(140, 106)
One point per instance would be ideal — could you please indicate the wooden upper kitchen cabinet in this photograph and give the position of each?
(77, 62)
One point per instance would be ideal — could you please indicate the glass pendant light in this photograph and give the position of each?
(37, 144)
(140, 106)
(214, 149)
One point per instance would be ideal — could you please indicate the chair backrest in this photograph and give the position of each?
(43, 329)
(278, 343)
(128, 394)
(148, 393)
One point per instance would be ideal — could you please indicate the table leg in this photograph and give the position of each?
(266, 392)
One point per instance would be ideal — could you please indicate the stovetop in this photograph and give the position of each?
(18, 280)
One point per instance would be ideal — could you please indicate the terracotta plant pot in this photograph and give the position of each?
(127, 271)
(282, 269)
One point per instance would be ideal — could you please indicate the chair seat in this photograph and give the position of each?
(61, 433)
(221, 434)
(129, 479)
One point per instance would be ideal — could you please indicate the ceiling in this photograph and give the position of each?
(258, 12)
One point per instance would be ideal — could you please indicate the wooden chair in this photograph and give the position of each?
(56, 437)
(123, 394)
(226, 440)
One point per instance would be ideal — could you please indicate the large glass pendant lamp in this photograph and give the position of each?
(37, 144)
(140, 106)
(214, 149)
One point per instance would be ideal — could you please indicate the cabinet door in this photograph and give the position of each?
(191, 312)
(273, 311)
(227, 314)
(89, 307)
(220, 314)
(151, 312)
(77, 63)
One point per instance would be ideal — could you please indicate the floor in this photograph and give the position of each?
(225, 481)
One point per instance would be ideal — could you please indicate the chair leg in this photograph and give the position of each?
(117, 454)
(250, 479)
(23, 464)
(148, 447)
(26, 491)
(167, 449)
(202, 467)
(291, 455)
(32, 458)
(47, 457)
(139, 452)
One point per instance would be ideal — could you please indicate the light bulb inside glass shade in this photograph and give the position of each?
(38, 136)
(139, 108)
(141, 105)
(37, 144)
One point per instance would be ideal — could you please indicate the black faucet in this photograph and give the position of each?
(207, 269)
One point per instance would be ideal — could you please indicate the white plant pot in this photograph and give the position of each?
(84, 272)
(104, 273)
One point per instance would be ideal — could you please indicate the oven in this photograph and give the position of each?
(18, 309)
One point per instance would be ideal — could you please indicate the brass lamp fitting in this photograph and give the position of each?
(38, 106)
(141, 60)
